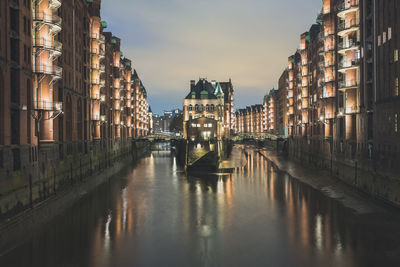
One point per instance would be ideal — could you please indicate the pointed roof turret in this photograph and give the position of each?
(218, 90)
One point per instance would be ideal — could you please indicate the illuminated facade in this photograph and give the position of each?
(250, 120)
(205, 111)
(65, 86)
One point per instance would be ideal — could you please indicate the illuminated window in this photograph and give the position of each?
(389, 33)
(379, 40)
(396, 123)
(396, 55)
(396, 87)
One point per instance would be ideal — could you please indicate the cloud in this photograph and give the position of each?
(174, 41)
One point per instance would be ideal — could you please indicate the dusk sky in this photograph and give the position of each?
(174, 41)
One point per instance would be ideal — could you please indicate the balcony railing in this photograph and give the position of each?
(344, 26)
(46, 18)
(55, 4)
(47, 105)
(352, 109)
(48, 70)
(349, 64)
(345, 5)
(48, 44)
(348, 84)
(349, 44)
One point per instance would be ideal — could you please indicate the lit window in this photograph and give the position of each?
(396, 55)
(396, 123)
(205, 125)
(396, 87)
(209, 125)
(379, 40)
(384, 38)
(389, 33)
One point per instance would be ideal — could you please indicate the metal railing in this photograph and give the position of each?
(47, 18)
(47, 105)
(347, 5)
(348, 64)
(348, 44)
(50, 70)
(54, 4)
(347, 25)
(348, 84)
(48, 44)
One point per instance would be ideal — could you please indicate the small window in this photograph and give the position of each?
(396, 123)
(379, 40)
(389, 33)
(396, 87)
(384, 38)
(396, 55)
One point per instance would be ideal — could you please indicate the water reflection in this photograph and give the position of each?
(154, 215)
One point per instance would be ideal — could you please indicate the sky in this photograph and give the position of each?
(171, 42)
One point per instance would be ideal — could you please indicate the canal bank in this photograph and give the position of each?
(67, 188)
(334, 178)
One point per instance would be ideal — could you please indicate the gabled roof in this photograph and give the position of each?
(203, 87)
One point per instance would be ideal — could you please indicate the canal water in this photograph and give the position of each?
(155, 215)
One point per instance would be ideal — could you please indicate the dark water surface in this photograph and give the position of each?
(258, 216)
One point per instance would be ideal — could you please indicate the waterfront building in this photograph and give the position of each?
(269, 116)
(250, 120)
(385, 133)
(204, 111)
(66, 90)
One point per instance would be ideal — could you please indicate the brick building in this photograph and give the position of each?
(250, 120)
(65, 87)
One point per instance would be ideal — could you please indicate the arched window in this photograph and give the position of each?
(212, 108)
(190, 107)
(196, 107)
(207, 107)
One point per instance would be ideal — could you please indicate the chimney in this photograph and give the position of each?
(192, 85)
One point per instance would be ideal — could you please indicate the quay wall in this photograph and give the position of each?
(366, 175)
(23, 190)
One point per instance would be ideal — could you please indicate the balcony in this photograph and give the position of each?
(44, 105)
(352, 109)
(348, 27)
(54, 71)
(96, 82)
(350, 84)
(95, 66)
(347, 46)
(328, 94)
(96, 97)
(55, 4)
(54, 46)
(51, 20)
(347, 7)
(345, 65)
